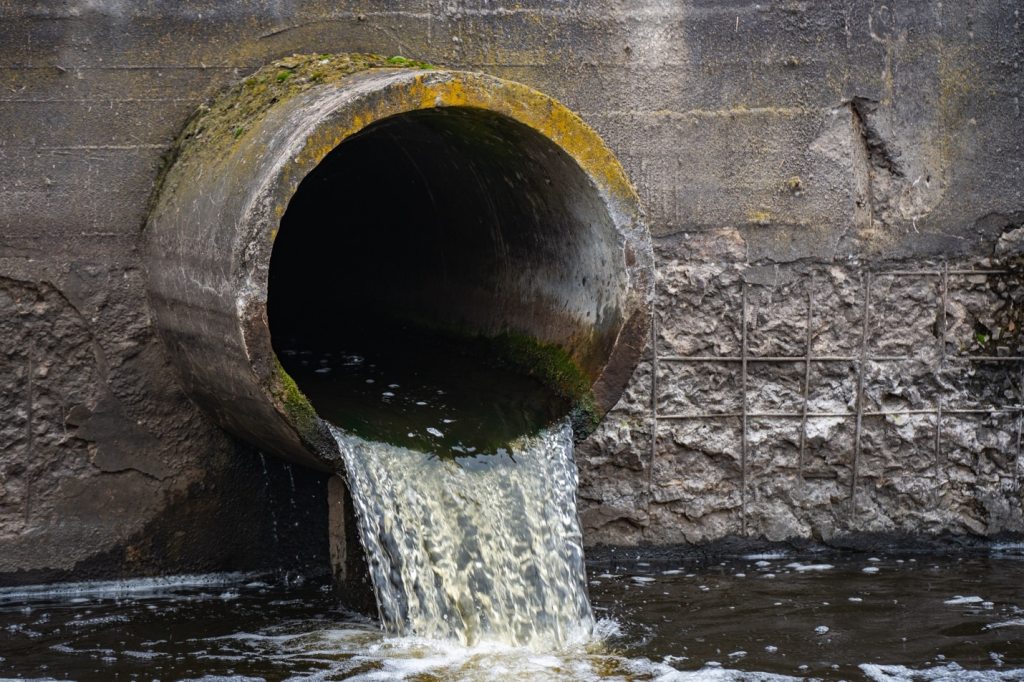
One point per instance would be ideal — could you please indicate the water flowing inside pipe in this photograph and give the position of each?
(472, 549)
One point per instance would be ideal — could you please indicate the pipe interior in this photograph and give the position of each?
(414, 246)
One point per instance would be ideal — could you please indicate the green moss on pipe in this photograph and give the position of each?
(295, 404)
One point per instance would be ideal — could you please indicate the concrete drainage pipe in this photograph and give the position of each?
(357, 184)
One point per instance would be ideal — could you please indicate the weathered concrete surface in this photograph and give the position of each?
(107, 469)
(795, 133)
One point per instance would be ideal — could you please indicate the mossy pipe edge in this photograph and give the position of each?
(237, 164)
(553, 367)
(301, 414)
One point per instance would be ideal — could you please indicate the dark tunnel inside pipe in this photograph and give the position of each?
(446, 279)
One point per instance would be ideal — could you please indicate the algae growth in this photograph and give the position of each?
(552, 366)
(296, 406)
(232, 114)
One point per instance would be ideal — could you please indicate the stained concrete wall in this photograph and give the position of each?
(789, 155)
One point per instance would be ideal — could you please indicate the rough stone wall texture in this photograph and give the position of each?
(789, 155)
(816, 401)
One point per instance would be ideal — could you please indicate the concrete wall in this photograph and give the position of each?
(791, 157)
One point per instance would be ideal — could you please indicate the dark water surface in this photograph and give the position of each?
(402, 385)
(855, 617)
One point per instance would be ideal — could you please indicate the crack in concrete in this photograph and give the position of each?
(882, 157)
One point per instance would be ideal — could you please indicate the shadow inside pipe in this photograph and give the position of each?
(441, 281)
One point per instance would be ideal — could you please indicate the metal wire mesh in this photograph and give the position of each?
(860, 413)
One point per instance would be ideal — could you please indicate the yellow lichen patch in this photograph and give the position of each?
(759, 217)
(216, 128)
(232, 124)
(453, 89)
(563, 127)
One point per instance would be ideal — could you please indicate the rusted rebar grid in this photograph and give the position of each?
(683, 416)
(743, 437)
(827, 358)
(859, 399)
(654, 389)
(938, 362)
(942, 313)
(1020, 428)
(944, 288)
(807, 380)
(940, 272)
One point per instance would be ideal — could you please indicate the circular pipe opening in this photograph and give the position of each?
(446, 278)
(458, 227)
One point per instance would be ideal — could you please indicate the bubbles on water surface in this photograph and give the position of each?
(801, 567)
(945, 673)
(668, 631)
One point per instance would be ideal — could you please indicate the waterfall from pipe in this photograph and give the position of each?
(484, 548)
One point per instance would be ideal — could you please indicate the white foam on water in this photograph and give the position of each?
(255, 637)
(415, 658)
(98, 620)
(144, 655)
(1016, 623)
(950, 672)
(801, 568)
(764, 556)
(718, 674)
(82, 591)
(958, 600)
(223, 678)
(1008, 546)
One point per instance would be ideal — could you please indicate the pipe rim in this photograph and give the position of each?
(331, 114)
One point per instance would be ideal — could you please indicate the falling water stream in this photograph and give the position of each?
(461, 472)
(474, 548)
